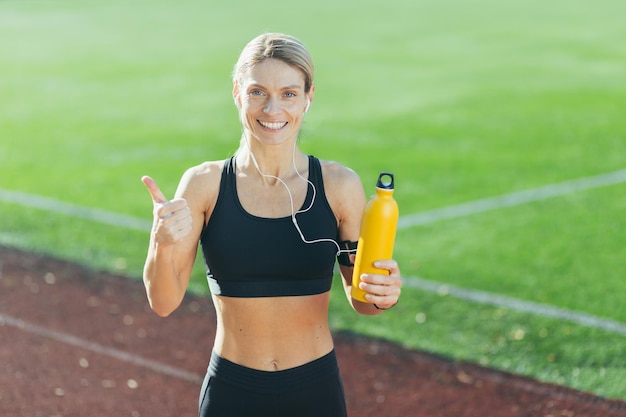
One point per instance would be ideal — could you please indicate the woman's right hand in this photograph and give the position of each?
(172, 218)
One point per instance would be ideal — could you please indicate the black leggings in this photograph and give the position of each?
(313, 389)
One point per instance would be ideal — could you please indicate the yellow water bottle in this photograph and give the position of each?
(378, 233)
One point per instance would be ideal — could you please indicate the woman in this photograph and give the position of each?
(269, 220)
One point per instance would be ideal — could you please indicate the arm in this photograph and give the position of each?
(348, 200)
(177, 225)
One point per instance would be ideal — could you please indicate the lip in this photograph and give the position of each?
(274, 126)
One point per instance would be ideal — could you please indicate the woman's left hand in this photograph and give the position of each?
(383, 290)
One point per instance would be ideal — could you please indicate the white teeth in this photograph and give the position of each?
(273, 126)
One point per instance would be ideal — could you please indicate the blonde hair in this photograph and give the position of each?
(277, 46)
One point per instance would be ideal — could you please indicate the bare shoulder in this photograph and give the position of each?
(338, 176)
(200, 184)
(344, 191)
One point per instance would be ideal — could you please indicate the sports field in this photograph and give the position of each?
(502, 121)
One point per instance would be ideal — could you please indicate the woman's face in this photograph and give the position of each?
(272, 101)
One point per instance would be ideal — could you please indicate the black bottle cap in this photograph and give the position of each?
(385, 181)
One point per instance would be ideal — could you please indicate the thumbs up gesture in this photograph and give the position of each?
(172, 218)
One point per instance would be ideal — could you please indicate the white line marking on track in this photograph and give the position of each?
(74, 210)
(538, 309)
(512, 199)
(100, 349)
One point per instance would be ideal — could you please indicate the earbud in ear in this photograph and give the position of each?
(308, 104)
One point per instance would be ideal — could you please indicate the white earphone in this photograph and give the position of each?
(308, 104)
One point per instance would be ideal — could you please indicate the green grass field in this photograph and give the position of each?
(462, 100)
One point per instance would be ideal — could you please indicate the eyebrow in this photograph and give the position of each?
(288, 87)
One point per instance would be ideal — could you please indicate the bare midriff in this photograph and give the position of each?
(272, 333)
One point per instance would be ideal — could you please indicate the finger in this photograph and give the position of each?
(380, 284)
(173, 210)
(177, 219)
(380, 289)
(383, 302)
(178, 205)
(153, 189)
(174, 215)
(388, 264)
(380, 279)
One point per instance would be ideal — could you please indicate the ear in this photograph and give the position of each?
(236, 96)
(309, 98)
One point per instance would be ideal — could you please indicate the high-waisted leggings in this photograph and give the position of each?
(313, 389)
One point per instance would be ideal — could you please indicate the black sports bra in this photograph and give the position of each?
(250, 256)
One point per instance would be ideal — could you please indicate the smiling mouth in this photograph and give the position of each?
(273, 125)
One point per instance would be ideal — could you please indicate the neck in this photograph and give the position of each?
(273, 161)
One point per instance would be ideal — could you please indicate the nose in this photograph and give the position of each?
(271, 106)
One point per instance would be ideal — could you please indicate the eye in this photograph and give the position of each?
(256, 93)
(290, 94)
